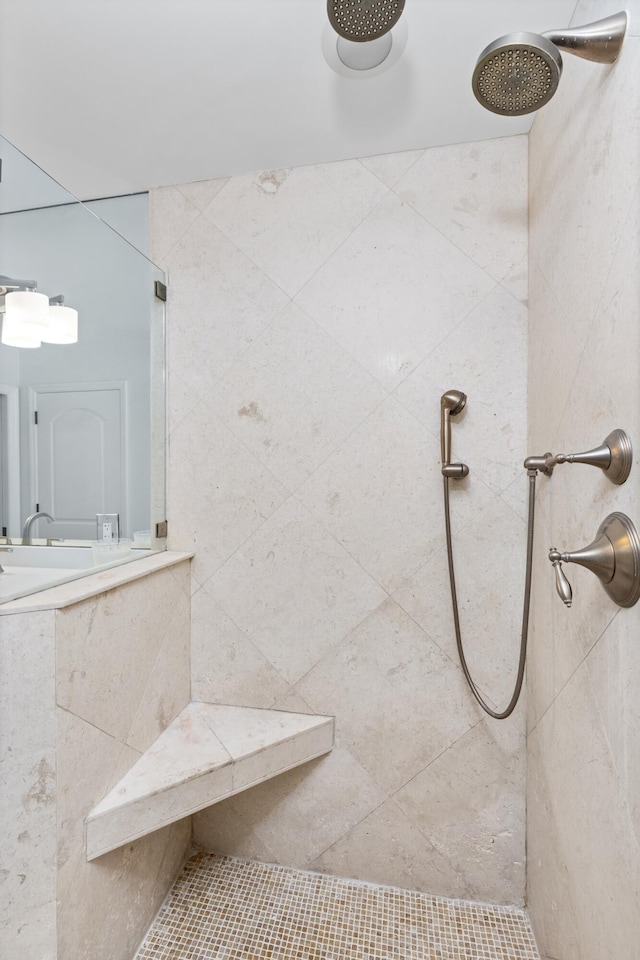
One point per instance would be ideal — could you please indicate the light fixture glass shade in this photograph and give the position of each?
(63, 325)
(18, 334)
(29, 311)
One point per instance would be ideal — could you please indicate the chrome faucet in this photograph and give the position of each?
(5, 550)
(26, 530)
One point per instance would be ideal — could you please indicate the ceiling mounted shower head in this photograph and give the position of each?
(520, 72)
(363, 20)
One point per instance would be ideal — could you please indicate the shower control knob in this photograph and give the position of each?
(562, 584)
(614, 557)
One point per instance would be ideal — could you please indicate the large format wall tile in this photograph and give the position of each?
(470, 804)
(393, 291)
(584, 856)
(110, 681)
(294, 396)
(462, 190)
(306, 593)
(220, 302)
(388, 847)
(378, 497)
(267, 216)
(476, 357)
(219, 492)
(390, 657)
(489, 557)
(27, 782)
(309, 493)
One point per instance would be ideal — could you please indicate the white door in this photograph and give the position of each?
(79, 457)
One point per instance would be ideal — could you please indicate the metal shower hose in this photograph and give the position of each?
(525, 610)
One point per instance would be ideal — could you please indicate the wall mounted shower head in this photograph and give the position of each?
(451, 403)
(519, 73)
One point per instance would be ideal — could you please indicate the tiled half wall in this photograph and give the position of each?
(315, 317)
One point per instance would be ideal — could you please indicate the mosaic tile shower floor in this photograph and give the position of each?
(226, 909)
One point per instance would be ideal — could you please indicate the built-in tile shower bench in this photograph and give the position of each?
(209, 752)
(101, 744)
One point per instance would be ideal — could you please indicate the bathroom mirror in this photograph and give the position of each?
(82, 425)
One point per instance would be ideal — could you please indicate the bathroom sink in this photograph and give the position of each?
(29, 569)
(57, 558)
(18, 581)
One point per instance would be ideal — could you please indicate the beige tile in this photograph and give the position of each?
(549, 877)
(27, 777)
(28, 852)
(476, 195)
(30, 935)
(294, 396)
(390, 167)
(591, 824)
(614, 671)
(485, 357)
(469, 803)
(90, 763)
(130, 884)
(268, 215)
(380, 495)
(489, 557)
(170, 216)
(580, 198)
(108, 671)
(219, 303)
(378, 683)
(226, 667)
(181, 400)
(393, 291)
(387, 848)
(516, 282)
(306, 593)
(288, 814)
(219, 493)
(201, 192)
(27, 684)
(221, 830)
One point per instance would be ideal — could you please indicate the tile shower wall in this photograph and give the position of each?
(315, 317)
(83, 691)
(584, 670)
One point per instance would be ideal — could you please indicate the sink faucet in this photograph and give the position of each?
(26, 530)
(5, 550)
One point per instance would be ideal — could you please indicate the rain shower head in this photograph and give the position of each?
(519, 73)
(363, 20)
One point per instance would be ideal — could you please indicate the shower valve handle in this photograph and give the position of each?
(563, 586)
(614, 557)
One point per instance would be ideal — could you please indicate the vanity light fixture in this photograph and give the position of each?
(31, 318)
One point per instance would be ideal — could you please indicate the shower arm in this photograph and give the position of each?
(599, 41)
(614, 457)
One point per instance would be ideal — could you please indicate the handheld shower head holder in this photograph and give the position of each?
(452, 402)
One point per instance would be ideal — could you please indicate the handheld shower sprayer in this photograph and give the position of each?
(451, 403)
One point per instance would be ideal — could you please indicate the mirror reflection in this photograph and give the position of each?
(81, 366)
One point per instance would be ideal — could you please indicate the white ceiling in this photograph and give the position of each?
(114, 96)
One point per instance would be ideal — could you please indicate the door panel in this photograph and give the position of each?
(79, 459)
